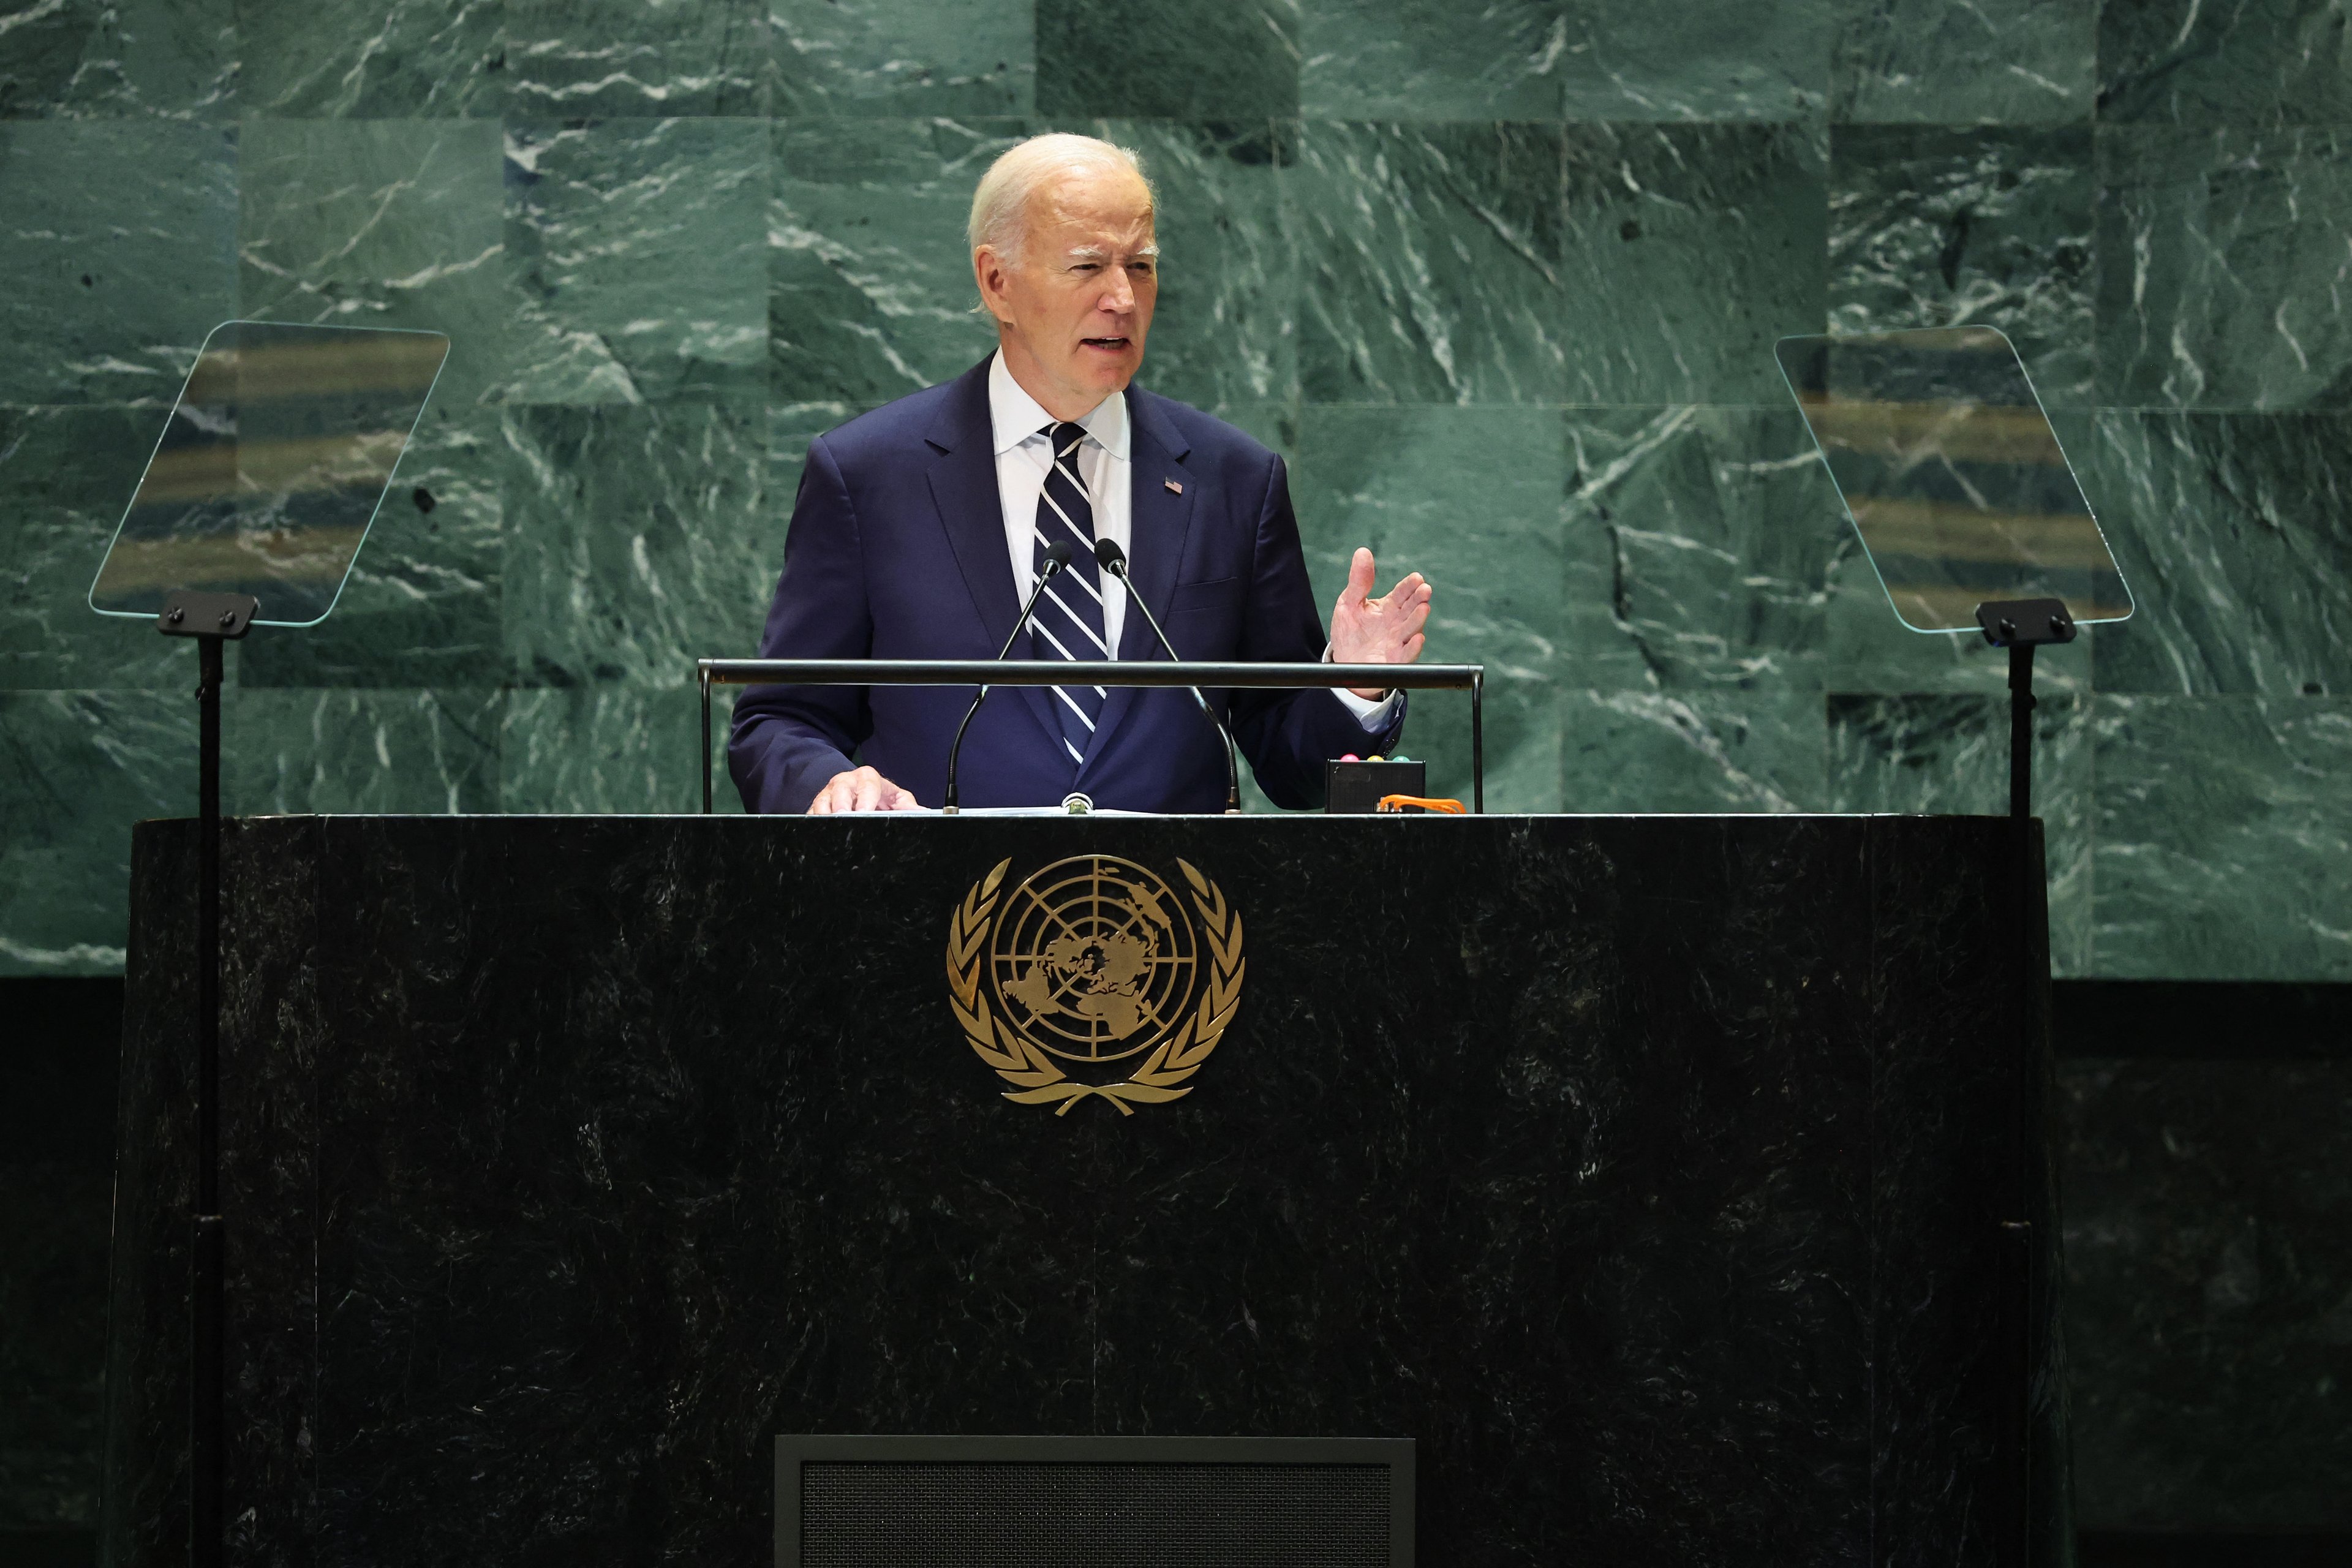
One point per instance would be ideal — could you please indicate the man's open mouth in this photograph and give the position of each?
(1114, 345)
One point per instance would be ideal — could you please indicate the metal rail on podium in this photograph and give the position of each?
(1470, 678)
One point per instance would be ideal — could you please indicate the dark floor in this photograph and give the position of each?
(56, 1194)
(2206, 1156)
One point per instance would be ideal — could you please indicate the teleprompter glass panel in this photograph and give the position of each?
(1952, 475)
(271, 468)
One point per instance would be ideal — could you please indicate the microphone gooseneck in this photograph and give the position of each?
(1113, 559)
(1058, 558)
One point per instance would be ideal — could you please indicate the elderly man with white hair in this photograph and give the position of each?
(921, 528)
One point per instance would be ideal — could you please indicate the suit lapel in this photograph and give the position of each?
(1158, 521)
(971, 511)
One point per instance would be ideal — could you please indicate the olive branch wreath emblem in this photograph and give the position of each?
(1035, 1078)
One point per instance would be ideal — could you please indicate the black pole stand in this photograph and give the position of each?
(2020, 626)
(212, 619)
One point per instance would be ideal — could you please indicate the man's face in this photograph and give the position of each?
(1074, 313)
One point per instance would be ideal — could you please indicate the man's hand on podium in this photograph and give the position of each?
(1378, 631)
(861, 789)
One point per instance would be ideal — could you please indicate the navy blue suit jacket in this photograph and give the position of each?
(896, 551)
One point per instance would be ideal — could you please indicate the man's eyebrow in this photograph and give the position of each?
(1097, 253)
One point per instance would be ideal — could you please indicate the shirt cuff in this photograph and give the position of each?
(1372, 713)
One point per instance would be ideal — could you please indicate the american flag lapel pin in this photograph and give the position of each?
(1173, 487)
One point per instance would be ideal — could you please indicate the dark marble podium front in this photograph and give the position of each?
(1651, 1173)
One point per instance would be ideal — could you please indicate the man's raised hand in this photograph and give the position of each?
(1386, 630)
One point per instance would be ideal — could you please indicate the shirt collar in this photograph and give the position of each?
(1016, 415)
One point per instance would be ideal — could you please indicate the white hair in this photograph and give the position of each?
(1000, 208)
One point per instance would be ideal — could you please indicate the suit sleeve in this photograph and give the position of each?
(787, 741)
(1289, 735)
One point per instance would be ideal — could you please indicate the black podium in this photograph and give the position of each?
(1676, 1184)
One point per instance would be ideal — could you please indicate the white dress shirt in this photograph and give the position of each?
(1023, 457)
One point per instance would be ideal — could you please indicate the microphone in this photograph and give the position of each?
(1058, 558)
(1113, 559)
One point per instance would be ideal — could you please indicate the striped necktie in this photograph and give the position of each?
(1069, 620)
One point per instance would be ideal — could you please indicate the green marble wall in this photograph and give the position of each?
(1501, 281)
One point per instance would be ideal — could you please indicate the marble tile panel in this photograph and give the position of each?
(2232, 531)
(1688, 250)
(1373, 59)
(117, 239)
(66, 475)
(1964, 62)
(1933, 227)
(1273, 425)
(636, 540)
(77, 769)
(408, 59)
(882, 57)
(2255, 62)
(2222, 258)
(572, 59)
(1948, 754)
(2224, 839)
(421, 607)
(1470, 499)
(379, 223)
(611, 749)
(296, 750)
(1179, 59)
(1226, 325)
(638, 250)
(2209, 1294)
(1644, 752)
(1712, 531)
(1692, 61)
(869, 280)
(175, 59)
(1433, 261)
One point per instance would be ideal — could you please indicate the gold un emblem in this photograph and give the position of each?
(1095, 964)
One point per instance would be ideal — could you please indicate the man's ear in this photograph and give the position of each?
(988, 275)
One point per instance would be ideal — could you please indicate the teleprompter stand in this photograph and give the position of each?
(2021, 625)
(1971, 516)
(268, 473)
(211, 619)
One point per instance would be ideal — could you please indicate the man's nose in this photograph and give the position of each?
(1121, 295)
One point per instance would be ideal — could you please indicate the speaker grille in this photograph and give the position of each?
(1015, 1514)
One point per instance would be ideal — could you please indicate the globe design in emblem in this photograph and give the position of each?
(1094, 958)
